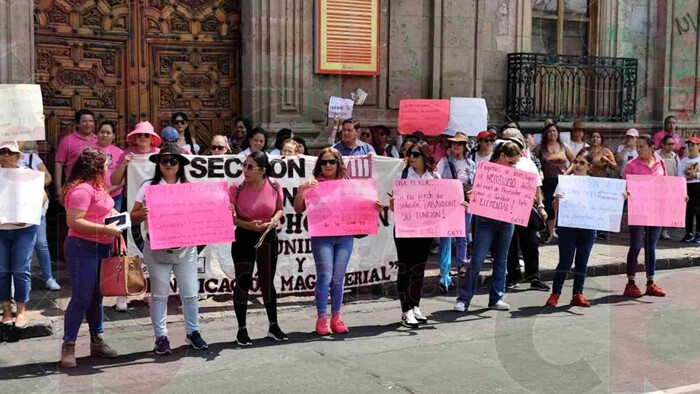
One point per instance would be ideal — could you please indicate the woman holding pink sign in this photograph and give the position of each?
(493, 235)
(332, 253)
(647, 163)
(162, 264)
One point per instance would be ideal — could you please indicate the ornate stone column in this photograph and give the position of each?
(16, 41)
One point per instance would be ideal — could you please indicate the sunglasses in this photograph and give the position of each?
(142, 135)
(6, 152)
(580, 162)
(329, 162)
(365, 134)
(180, 122)
(168, 161)
(414, 154)
(218, 147)
(250, 167)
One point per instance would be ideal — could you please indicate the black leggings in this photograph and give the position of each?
(692, 210)
(244, 257)
(413, 256)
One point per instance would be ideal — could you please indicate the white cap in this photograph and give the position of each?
(11, 145)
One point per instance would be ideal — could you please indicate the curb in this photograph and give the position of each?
(52, 325)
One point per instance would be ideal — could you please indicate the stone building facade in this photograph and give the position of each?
(256, 58)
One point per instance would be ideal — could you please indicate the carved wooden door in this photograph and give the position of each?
(132, 60)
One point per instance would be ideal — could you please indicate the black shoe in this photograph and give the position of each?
(688, 238)
(276, 333)
(537, 284)
(162, 346)
(602, 236)
(195, 340)
(242, 337)
(512, 284)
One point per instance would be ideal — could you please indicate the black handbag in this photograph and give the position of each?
(536, 221)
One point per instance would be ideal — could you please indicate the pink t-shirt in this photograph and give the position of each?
(256, 204)
(113, 154)
(96, 203)
(70, 147)
(136, 151)
(639, 167)
(658, 138)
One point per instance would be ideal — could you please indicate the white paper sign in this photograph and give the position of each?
(340, 107)
(21, 113)
(469, 115)
(591, 203)
(21, 195)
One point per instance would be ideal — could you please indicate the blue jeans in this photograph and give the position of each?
(331, 257)
(446, 252)
(491, 235)
(575, 245)
(647, 236)
(42, 250)
(16, 248)
(83, 258)
(118, 202)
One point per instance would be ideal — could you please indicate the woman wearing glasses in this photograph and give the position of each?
(257, 207)
(484, 147)
(490, 235)
(575, 244)
(162, 264)
(413, 253)
(379, 136)
(331, 254)
(219, 146)
(185, 138)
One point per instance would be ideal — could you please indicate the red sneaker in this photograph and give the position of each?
(322, 326)
(337, 324)
(631, 290)
(553, 300)
(580, 300)
(655, 291)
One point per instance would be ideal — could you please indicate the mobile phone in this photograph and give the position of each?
(123, 220)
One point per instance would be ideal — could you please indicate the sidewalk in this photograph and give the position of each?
(607, 258)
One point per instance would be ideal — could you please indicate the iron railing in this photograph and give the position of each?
(565, 88)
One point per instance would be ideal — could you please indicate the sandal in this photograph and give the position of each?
(21, 322)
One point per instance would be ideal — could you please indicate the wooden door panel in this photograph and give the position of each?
(201, 81)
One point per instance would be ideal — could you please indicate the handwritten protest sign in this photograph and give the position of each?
(469, 115)
(344, 207)
(656, 200)
(429, 116)
(503, 193)
(189, 214)
(340, 107)
(21, 113)
(591, 203)
(21, 195)
(427, 208)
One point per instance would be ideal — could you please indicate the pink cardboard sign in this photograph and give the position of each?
(429, 116)
(428, 208)
(189, 214)
(503, 193)
(343, 207)
(656, 200)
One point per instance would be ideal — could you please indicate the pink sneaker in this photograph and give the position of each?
(322, 326)
(337, 324)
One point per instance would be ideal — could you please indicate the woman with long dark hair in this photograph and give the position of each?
(185, 140)
(380, 135)
(257, 206)
(237, 137)
(490, 235)
(256, 141)
(163, 264)
(87, 203)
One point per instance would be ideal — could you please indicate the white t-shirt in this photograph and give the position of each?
(274, 152)
(525, 164)
(687, 163)
(478, 158)
(631, 154)
(246, 152)
(24, 161)
(413, 175)
(460, 167)
(578, 147)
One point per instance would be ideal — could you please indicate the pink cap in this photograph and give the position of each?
(144, 128)
(632, 132)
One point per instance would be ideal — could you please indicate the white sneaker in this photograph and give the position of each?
(500, 305)
(408, 319)
(122, 305)
(418, 315)
(665, 236)
(52, 285)
(460, 306)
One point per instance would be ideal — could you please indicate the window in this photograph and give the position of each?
(564, 27)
